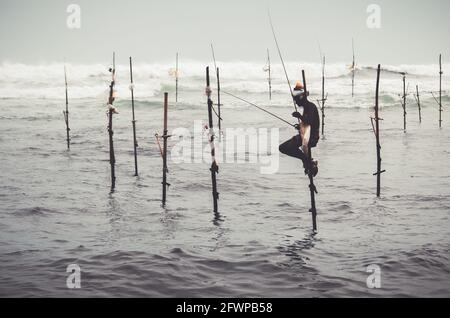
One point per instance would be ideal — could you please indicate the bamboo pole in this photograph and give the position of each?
(404, 102)
(377, 133)
(218, 103)
(312, 187)
(214, 167)
(418, 103)
(219, 121)
(176, 80)
(270, 74)
(353, 69)
(66, 112)
(135, 144)
(165, 185)
(440, 90)
(322, 104)
(111, 112)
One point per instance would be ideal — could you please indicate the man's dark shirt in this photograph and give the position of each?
(310, 117)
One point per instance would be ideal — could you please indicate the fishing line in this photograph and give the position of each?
(260, 108)
(282, 61)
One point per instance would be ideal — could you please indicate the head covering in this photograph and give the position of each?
(298, 86)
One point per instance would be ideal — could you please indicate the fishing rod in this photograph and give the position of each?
(218, 92)
(269, 69)
(66, 112)
(260, 108)
(135, 144)
(111, 111)
(282, 62)
(324, 98)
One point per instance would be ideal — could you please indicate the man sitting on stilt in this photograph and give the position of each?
(309, 131)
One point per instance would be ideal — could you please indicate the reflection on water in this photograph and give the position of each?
(295, 251)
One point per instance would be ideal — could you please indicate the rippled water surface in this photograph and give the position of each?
(56, 208)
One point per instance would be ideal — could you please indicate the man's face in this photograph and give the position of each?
(302, 99)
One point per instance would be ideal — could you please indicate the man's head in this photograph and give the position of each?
(299, 93)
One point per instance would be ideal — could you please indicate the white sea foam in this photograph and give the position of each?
(91, 81)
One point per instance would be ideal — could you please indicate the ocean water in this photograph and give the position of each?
(56, 208)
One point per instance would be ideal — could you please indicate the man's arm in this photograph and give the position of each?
(305, 118)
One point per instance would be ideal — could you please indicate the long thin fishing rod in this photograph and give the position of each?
(282, 61)
(323, 100)
(260, 108)
(320, 49)
(218, 92)
(135, 144)
(214, 56)
(66, 112)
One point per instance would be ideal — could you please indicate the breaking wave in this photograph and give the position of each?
(91, 81)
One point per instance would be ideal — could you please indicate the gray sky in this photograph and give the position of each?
(412, 31)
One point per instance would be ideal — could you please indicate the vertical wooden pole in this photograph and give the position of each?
(404, 102)
(270, 75)
(377, 132)
(312, 187)
(440, 90)
(218, 102)
(112, 157)
(418, 103)
(135, 144)
(219, 105)
(66, 112)
(353, 69)
(323, 97)
(214, 167)
(176, 80)
(165, 136)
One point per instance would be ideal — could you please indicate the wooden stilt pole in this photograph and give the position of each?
(176, 80)
(417, 96)
(269, 69)
(312, 187)
(111, 112)
(214, 167)
(404, 101)
(322, 104)
(219, 120)
(440, 90)
(135, 144)
(353, 69)
(66, 112)
(165, 185)
(377, 133)
(219, 105)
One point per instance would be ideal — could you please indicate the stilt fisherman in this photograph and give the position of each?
(309, 131)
